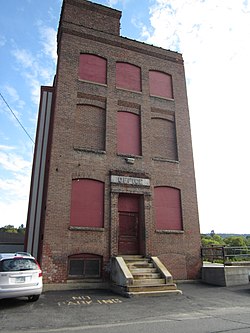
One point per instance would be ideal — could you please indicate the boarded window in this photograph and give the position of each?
(92, 68)
(128, 76)
(167, 204)
(85, 266)
(90, 127)
(87, 203)
(128, 133)
(164, 143)
(160, 84)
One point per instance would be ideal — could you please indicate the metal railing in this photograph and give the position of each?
(225, 254)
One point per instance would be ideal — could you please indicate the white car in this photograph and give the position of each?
(20, 275)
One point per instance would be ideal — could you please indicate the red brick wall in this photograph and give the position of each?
(89, 127)
(179, 250)
(164, 139)
(92, 16)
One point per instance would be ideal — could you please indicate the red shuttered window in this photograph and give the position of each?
(93, 68)
(160, 84)
(167, 204)
(128, 76)
(128, 133)
(87, 198)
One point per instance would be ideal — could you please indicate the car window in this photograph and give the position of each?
(17, 264)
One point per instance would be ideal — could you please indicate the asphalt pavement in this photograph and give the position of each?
(200, 309)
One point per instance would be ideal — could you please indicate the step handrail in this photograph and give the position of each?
(120, 274)
(163, 270)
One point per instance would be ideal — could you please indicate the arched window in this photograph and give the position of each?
(87, 203)
(167, 205)
(128, 76)
(160, 84)
(92, 68)
(84, 265)
(128, 133)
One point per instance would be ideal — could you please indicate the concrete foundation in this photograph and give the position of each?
(225, 276)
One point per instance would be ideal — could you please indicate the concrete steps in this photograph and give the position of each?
(148, 282)
(147, 278)
(145, 275)
(156, 287)
(134, 270)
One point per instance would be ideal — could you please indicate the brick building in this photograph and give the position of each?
(113, 170)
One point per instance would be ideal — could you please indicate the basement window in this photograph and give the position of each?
(83, 266)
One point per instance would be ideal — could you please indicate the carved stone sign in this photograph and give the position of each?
(130, 180)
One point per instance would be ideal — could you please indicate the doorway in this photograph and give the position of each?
(129, 224)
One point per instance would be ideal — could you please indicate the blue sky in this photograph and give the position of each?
(213, 37)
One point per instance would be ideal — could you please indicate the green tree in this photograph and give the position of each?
(239, 241)
(213, 239)
(8, 228)
(248, 240)
(237, 247)
(21, 229)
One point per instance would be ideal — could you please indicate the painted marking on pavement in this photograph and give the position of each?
(87, 300)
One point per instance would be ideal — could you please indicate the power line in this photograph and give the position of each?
(16, 118)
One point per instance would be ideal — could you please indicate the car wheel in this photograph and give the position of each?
(33, 298)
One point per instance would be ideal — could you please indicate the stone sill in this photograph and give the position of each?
(129, 90)
(169, 231)
(86, 229)
(129, 156)
(89, 150)
(93, 82)
(162, 159)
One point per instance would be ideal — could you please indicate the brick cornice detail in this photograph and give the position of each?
(121, 44)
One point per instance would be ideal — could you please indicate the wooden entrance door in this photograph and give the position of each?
(128, 242)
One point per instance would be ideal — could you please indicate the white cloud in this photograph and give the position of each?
(11, 104)
(13, 162)
(29, 67)
(48, 40)
(112, 3)
(14, 186)
(38, 68)
(34, 84)
(24, 57)
(14, 213)
(5, 147)
(2, 41)
(35, 65)
(51, 13)
(14, 96)
(214, 39)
